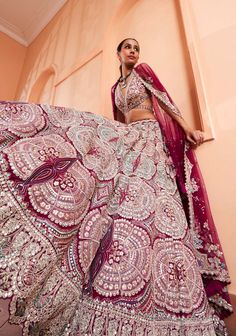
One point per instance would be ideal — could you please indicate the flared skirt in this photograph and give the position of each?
(94, 237)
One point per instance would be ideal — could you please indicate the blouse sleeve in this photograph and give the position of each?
(153, 84)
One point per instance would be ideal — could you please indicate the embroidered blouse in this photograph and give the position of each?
(134, 96)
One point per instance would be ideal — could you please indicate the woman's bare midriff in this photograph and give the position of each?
(140, 114)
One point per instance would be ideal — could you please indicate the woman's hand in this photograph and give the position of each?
(195, 137)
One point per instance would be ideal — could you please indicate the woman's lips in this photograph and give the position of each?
(131, 57)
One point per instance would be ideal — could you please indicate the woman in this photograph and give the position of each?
(105, 226)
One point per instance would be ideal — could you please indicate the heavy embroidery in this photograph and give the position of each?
(93, 235)
(134, 96)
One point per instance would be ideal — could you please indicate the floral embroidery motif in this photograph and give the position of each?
(170, 217)
(28, 154)
(62, 116)
(132, 198)
(96, 156)
(72, 188)
(21, 119)
(127, 268)
(178, 284)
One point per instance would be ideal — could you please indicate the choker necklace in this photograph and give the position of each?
(122, 80)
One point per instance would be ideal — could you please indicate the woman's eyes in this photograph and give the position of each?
(128, 47)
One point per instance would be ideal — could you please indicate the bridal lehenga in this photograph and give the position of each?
(97, 234)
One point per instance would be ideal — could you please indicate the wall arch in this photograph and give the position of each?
(42, 90)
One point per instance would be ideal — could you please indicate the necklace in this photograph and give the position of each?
(122, 80)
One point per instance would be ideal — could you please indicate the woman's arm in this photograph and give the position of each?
(195, 137)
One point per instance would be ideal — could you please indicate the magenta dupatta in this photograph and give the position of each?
(193, 193)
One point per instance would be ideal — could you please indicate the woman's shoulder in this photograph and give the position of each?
(143, 66)
(145, 72)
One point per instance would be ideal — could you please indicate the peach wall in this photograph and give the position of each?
(78, 48)
(12, 56)
(217, 158)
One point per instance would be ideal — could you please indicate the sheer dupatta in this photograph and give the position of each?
(193, 193)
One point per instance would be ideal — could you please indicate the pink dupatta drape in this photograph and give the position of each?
(193, 193)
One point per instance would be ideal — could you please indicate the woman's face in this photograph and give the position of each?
(129, 53)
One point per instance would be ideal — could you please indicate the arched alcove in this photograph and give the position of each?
(43, 89)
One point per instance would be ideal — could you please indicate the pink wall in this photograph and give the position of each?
(77, 51)
(12, 55)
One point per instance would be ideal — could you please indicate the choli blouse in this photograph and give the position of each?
(134, 96)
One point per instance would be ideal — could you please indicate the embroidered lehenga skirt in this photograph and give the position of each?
(94, 237)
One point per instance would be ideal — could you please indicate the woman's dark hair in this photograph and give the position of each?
(122, 42)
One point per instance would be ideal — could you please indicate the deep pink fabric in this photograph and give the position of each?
(211, 259)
